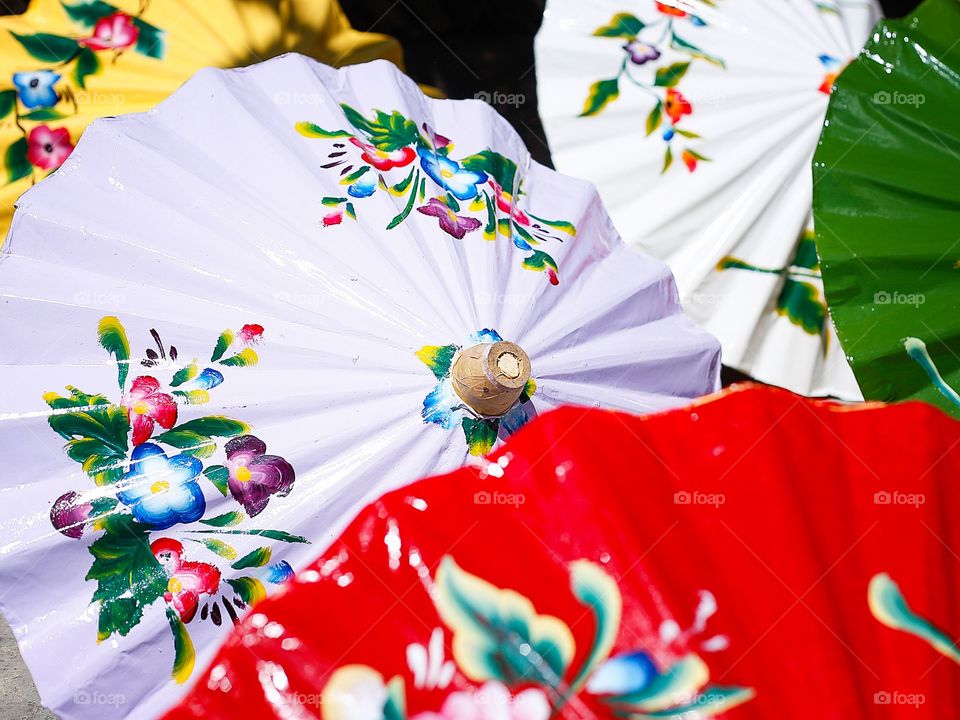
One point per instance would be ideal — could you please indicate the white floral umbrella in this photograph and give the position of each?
(697, 120)
(403, 286)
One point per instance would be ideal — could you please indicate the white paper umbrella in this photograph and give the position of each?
(354, 236)
(697, 120)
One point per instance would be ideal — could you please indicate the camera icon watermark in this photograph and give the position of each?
(696, 497)
(485, 497)
(885, 97)
(897, 498)
(883, 297)
(496, 98)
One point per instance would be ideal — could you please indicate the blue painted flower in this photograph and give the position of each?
(458, 181)
(364, 186)
(206, 380)
(36, 89)
(623, 674)
(162, 491)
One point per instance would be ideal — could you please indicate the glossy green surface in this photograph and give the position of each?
(887, 205)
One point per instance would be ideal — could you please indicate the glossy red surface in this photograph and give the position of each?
(783, 508)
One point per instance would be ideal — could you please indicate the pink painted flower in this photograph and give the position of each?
(506, 204)
(382, 160)
(47, 148)
(492, 702)
(187, 580)
(113, 32)
(450, 222)
(333, 218)
(146, 405)
(69, 514)
(254, 475)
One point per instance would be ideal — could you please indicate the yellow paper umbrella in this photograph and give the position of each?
(64, 64)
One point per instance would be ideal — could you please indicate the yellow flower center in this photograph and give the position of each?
(174, 585)
(159, 486)
(140, 407)
(243, 474)
(446, 173)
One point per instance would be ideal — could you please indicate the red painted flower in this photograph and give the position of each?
(146, 405)
(690, 160)
(384, 160)
(506, 203)
(334, 218)
(671, 10)
(250, 334)
(113, 32)
(48, 148)
(676, 105)
(187, 580)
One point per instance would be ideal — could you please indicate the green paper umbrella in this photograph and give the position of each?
(887, 208)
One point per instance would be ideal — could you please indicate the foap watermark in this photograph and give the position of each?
(496, 98)
(285, 97)
(94, 697)
(485, 497)
(899, 498)
(699, 498)
(102, 99)
(885, 97)
(885, 697)
(899, 298)
(314, 700)
(95, 298)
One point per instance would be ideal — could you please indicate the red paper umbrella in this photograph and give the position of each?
(756, 555)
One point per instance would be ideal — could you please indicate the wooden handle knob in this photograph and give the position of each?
(490, 377)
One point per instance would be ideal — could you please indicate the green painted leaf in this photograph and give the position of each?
(256, 558)
(688, 134)
(152, 41)
(226, 520)
(8, 101)
(601, 94)
(667, 160)
(655, 118)
(801, 303)
(245, 358)
(671, 75)
(333, 201)
(890, 607)
(18, 166)
(228, 552)
(598, 591)
(278, 535)
(42, 114)
(113, 339)
(387, 131)
(249, 589)
(218, 475)
(128, 576)
(88, 12)
(438, 358)
(568, 228)
(480, 435)
(539, 261)
(309, 129)
(402, 215)
(622, 25)
(87, 64)
(195, 436)
(806, 255)
(184, 656)
(185, 374)
(96, 432)
(497, 633)
(223, 343)
(685, 677)
(48, 47)
(678, 43)
(499, 167)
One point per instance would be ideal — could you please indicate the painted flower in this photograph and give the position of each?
(363, 186)
(458, 181)
(506, 204)
(187, 581)
(250, 334)
(641, 52)
(333, 218)
(113, 32)
(69, 514)
(492, 702)
(48, 148)
(254, 475)
(832, 66)
(690, 160)
(673, 11)
(146, 405)
(623, 674)
(382, 160)
(676, 105)
(450, 222)
(162, 491)
(36, 89)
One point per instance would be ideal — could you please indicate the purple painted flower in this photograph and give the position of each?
(640, 52)
(254, 475)
(69, 515)
(450, 222)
